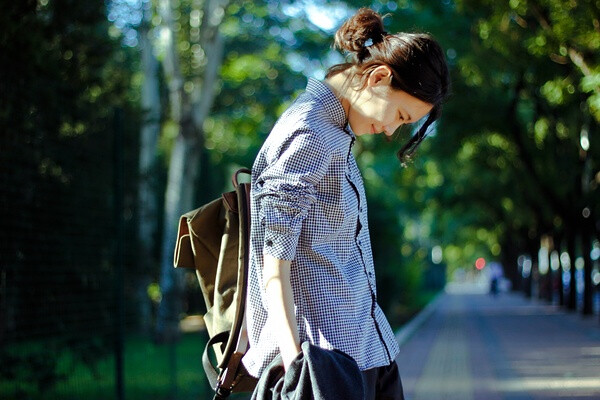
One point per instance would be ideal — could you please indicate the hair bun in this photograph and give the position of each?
(352, 35)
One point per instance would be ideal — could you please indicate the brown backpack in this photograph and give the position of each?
(214, 240)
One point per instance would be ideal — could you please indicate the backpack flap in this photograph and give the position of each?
(206, 226)
(183, 256)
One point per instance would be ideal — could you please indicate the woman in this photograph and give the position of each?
(311, 269)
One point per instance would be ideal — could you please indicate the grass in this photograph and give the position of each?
(151, 372)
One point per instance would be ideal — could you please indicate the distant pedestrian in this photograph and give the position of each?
(311, 275)
(495, 278)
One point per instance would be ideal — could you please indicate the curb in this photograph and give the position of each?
(408, 329)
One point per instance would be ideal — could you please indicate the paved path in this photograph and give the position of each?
(477, 347)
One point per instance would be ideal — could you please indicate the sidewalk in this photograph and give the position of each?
(473, 346)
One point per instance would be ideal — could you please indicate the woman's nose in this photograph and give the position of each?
(391, 128)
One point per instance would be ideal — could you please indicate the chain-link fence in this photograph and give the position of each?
(71, 288)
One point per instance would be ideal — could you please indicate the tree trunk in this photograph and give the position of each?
(510, 255)
(171, 280)
(548, 277)
(544, 272)
(559, 238)
(531, 283)
(572, 299)
(147, 194)
(189, 114)
(588, 288)
(178, 199)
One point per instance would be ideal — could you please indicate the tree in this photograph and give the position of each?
(56, 119)
(533, 62)
(148, 163)
(188, 113)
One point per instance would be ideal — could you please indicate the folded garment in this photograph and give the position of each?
(315, 373)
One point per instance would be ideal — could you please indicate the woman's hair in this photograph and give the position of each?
(417, 62)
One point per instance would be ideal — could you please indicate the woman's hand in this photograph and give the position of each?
(280, 302)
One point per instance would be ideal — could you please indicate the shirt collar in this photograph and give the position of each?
(331, 103)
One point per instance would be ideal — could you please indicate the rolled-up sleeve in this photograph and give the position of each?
(286, 190)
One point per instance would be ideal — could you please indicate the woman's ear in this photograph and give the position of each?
(382, 75)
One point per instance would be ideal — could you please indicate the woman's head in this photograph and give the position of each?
(407, 69)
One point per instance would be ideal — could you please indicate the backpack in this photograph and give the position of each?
(214, 240)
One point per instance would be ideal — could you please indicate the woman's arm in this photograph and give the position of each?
(280, 301)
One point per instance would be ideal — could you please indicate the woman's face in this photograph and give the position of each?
(378, 108)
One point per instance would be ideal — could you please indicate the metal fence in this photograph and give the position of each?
(69, 278)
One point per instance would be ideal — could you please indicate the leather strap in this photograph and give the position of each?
(234, 178)
(211, 372)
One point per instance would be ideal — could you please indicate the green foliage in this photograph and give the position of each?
(59, 372)
(36, 371)
(521, 71)
(255, 79)
(508, 144)
(63, 78)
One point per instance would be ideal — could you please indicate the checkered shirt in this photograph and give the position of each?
(308, 205)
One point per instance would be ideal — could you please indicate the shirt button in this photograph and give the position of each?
(269, 242)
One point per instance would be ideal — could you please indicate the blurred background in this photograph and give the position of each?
(117, 116)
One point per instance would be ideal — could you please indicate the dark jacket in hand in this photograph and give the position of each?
(315, 374)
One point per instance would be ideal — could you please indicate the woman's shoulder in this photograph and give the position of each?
(307, 116)
(305, 111)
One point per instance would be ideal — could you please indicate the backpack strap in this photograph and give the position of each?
(234, 178)
(209, 368)
(233, 375)
(230, 375)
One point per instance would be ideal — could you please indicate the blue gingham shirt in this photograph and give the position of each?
(308, 205)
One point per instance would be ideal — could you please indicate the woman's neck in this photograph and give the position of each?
(339, 84)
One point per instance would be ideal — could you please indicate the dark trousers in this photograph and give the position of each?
(383, 383)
